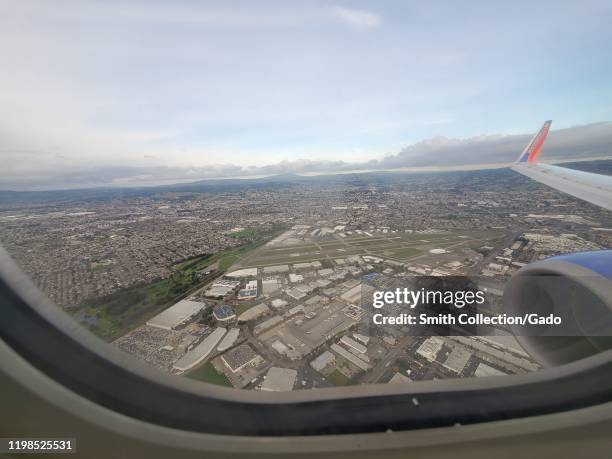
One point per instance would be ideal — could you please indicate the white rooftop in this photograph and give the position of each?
(326, 358)
(246, 272)
(399, 378)
(430, 348)
(176, 315)
(254, 312)
(279, 379)
(229, 339)
(201, 351)
(348, 341)
(484, 370)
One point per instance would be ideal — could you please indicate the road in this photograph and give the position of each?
(376, 373)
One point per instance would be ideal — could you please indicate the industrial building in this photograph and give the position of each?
(276, 269)
(279, 303)
(324, 360)
(224, 313)
(240, 357)
(350, 357)
(484, 370)
(270, 286)
(267, 324)
(430, 348)
(241, 273)
(222, 288)
(349, 342)
(353, 295)
(254, 312)
(457, 359)
(249, 291)
(310, 265)
(177, 315)
(279, 379)
(399, 378)
(201, 351)
(229, 339)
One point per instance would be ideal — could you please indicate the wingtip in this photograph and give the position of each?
(534, 147)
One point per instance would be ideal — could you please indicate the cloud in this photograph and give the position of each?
(359, 19)
(592, 140)
(575, 142)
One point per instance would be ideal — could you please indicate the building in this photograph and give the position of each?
(241, 273)
(240, 357)
(352, 295)
(229, 339)
(278, 303)
(276, 269)
(177, 315)
(222, 288)
(254, 312)
(309, 265)
(295, 293)
(249, 291)
(484, 370)
(267, 324)
(363, 338)
(350, 357)
(270, 286)
(399, 378)
(349, 342)
(430, 348)
(279, 380)
(323, 361)
(224, 313)
(200, 352)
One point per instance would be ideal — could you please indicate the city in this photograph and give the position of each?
(258, 284)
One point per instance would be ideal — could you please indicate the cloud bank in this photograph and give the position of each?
(587, 141)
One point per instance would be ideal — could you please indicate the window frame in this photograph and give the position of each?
(55, 344)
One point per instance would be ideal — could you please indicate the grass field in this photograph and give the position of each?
(406, 252)
(207, 373)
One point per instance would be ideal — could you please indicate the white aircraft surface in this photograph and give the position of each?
(593, 188)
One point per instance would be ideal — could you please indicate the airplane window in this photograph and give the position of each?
(286, 198)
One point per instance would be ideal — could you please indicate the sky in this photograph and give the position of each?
(121, 91)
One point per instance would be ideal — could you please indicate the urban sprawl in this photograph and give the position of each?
(259, 285)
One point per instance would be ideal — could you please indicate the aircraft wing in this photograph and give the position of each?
(593, 188)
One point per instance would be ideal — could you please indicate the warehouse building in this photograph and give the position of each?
(323, 361)
(200, 352)
(254, 312)
(279, 380)
(224, 313)
(276, 269)
(240, 357)
(241, 273)
(229, 339)
(349, 342)
(177, 315)
(350, 357)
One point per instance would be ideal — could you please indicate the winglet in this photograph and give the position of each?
(534, 148)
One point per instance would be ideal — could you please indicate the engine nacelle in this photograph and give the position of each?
(576, 286)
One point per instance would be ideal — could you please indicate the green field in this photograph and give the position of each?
(207, 373)
(113, 315)
(406, 252)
